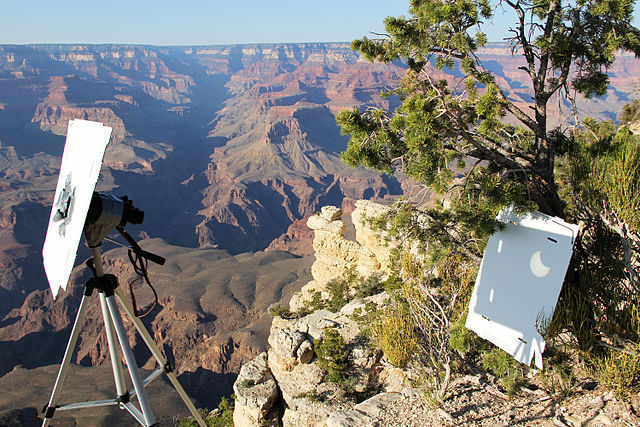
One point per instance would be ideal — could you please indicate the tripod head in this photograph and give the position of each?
(106, 213)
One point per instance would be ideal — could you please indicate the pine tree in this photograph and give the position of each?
(456, 132)
(463, 137)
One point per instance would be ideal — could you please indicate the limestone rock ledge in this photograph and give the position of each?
(256, 393)
(302, 396)
(286, 386)
(336, 256)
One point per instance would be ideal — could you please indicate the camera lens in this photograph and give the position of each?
(131, 214)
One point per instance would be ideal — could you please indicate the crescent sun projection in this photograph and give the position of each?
(537, 267)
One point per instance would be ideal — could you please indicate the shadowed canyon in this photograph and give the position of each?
(227, 150)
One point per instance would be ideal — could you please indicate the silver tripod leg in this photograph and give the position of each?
(162, 361)
(62, 372)
(132, 367)
(112, 320)
(116, 366)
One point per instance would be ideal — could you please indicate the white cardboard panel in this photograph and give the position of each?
(519, 282)
(79, 171)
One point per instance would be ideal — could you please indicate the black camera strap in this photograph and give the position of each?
(138, 258)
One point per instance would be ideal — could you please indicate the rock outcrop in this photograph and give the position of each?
(306, 397)
(256, 392)
(337, 256)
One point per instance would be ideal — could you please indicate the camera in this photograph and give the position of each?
(107, 212)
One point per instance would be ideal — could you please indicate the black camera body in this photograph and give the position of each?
(107, 212)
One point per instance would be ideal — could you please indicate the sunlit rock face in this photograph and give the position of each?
(336, 256)
(223, 147)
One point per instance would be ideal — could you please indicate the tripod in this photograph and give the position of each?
(107, 287)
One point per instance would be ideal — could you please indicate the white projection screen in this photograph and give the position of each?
(519, 282)
(79, 171)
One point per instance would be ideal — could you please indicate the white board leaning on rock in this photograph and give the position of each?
(519, 282)
(79, 171)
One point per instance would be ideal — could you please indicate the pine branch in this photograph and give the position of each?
(523, 117)
(447, 51)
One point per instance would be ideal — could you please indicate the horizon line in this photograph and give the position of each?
(190, 45)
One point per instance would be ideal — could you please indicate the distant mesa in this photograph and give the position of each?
(230, 147)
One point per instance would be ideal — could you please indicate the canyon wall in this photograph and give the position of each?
(288, 385)
(225, 148)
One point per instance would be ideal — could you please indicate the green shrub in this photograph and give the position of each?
(220, 417)
(619, 372)
(393, 332)
(312, 395)
(512, 374)
(341, 292)
(333, 355)
(464, 340)
(339, 296)
(434, 303)
(277, 310)
(370, 286)
(393, 282)
(558, 378)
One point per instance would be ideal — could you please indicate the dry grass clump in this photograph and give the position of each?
(394, 333)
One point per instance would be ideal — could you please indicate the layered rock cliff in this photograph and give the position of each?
(336, 256)
(228, 147)
(289, 385)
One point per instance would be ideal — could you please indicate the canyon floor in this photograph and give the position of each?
(228, 149)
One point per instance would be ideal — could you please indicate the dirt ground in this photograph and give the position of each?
(479, 401)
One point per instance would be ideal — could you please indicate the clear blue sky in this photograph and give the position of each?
(195, 22)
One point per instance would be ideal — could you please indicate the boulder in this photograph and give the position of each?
(294, 379)
(256, 392)
(365, 413)
(349, 418)
(286, 342)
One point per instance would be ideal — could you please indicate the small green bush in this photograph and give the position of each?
(342, 291)
(312, 395)
(619, 372)
(464, 340)
(393, 332)
(339, 294)
(338, 297)
(512, 374)
(333, 355)
(221, 417)
(277, 310)
(558, 377)
(558, 380)
(371, 286)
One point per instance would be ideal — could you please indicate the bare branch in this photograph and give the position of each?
(522, 38)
